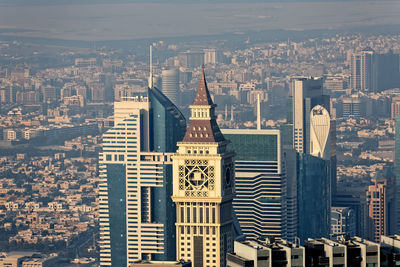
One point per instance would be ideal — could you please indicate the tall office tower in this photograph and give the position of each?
(212, 56)
(343, 221)
(363, 71)
(191, 59)
(313, 196)
(204, 186)
(333, 157)
(397, 174)
(306, 93)
(262, 203)
(170, 84)
(388, 73)
(136, 211)
(377, 209)
(320, 132)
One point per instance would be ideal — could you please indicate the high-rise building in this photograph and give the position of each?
(137, 215)
(204, 186)
(191, 59)
(261, 203)
(377, 209)
(343, 221)
(306, 93)
(397, 174)
(170, 84)
(212, 56)
(313, 196)
(363, 71)
(388, 73)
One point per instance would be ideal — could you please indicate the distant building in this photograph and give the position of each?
(343, 221)
(212, 56)
(85, 62)
(377, 205)
(191, 59)
(170, 84)
(395, 107)
(50, 93)
(363, 71)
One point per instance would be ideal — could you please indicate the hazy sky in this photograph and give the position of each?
(136, 19)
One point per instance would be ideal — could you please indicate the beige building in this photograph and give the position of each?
(267, 254)
(203, 187)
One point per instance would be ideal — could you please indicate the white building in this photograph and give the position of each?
(320, 132)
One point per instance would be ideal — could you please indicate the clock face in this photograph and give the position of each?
(196, 178)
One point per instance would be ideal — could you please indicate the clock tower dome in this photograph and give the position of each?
(203, 187)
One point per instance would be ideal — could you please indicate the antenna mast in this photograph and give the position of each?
(151, 68)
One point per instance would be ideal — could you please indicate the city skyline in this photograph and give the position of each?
(269, 129)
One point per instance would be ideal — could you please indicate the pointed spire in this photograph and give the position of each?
(203, 95)
(151, 68)
(203, 128)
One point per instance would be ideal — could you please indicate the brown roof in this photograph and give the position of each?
(203, 95)
(204, 130)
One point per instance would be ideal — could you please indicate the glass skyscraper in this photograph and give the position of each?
(397, 174)
(137, 215)
(313, 194)
(262, 203)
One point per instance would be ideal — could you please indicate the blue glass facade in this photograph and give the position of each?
(117, 201)
(167, 127)
(313, 196)
(397, 174)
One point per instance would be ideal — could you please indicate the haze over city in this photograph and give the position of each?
(209, 133)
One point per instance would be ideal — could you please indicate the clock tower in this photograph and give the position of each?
(203, 187)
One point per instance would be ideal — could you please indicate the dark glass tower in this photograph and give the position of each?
(397, 175)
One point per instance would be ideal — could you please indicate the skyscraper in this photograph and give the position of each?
(377, 209)
(261, 202)
(212, 56)
(397, 173)
(170, 84)
(313, 196)
(343, 221)
(306, 93)
(136, 212)
(363, 71)
(204, 186)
